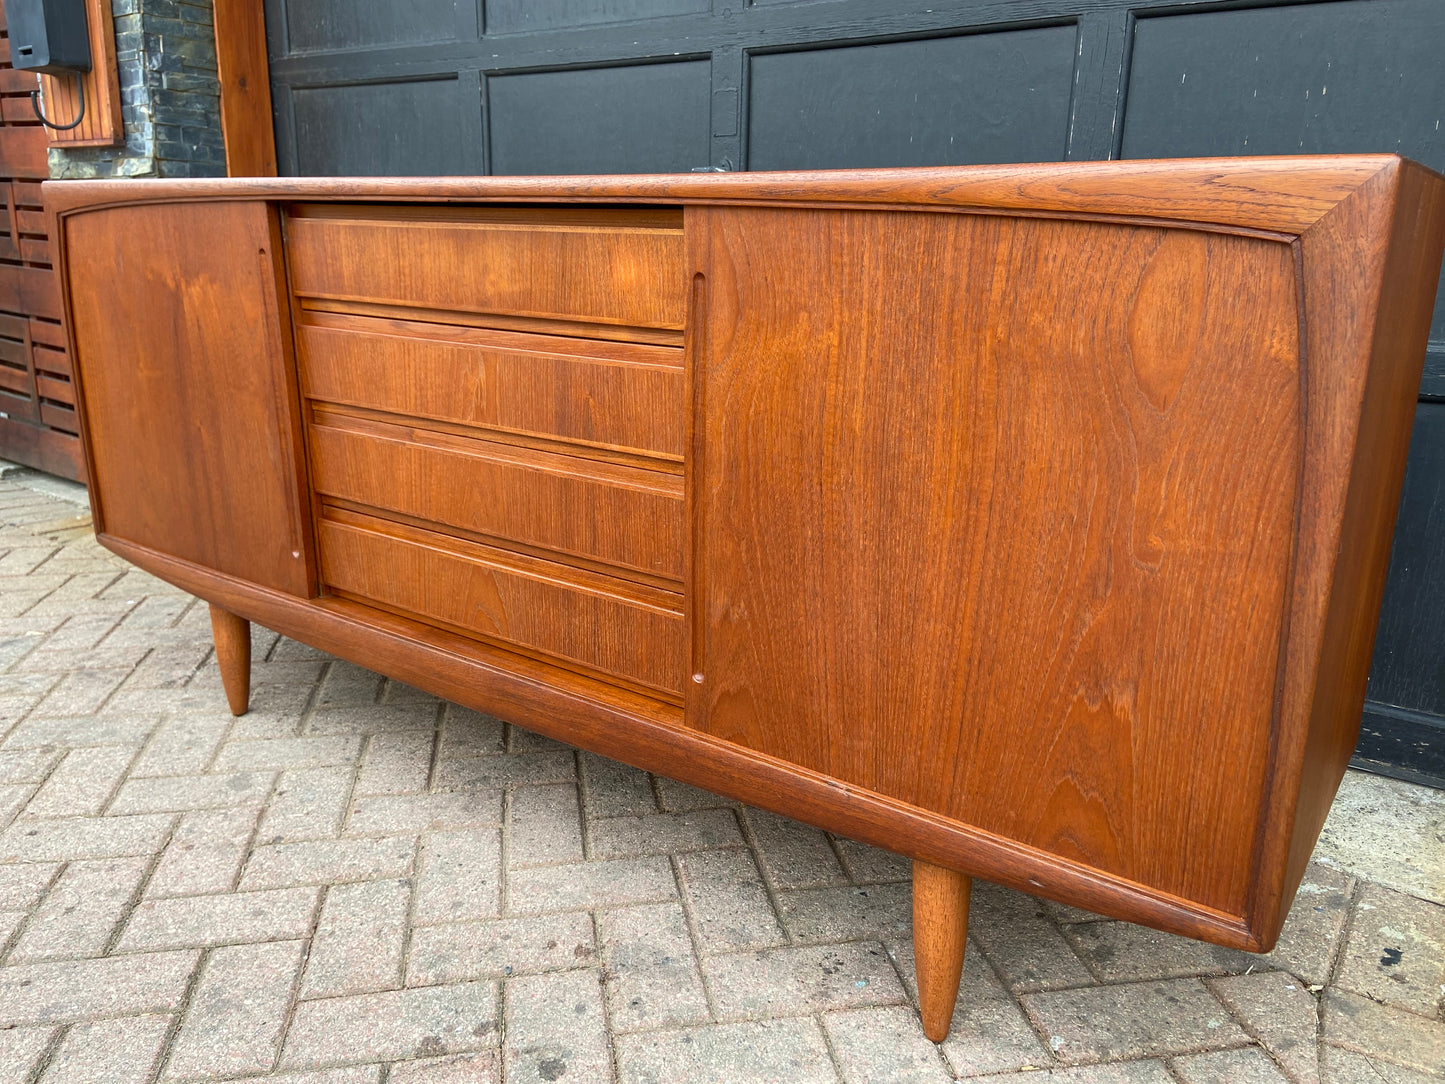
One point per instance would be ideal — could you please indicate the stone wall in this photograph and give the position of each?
(170, 98)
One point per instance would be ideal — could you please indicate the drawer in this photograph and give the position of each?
(613, 267)
(618, 515)
(612, 629)
(611, 395)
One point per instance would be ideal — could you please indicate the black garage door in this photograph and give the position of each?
(607, 86)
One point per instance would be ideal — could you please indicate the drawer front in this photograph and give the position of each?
(617, 515)
(611, 395)
(545, 266)
(614, 630)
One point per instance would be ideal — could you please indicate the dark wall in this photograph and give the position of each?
(603, 86)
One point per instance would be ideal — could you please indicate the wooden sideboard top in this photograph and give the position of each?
(1284, 195)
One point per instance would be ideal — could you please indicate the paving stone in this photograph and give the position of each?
(10, 922)
(82, 911)
(884, 1043)
(28, 765)
(328, 861)
(418, 719)
(510, 946)
(521, 740)
(1280, 1014)
(1393, 830)
(614, 789)
(1383, 1031)
(82, 783)
(675, 797)
(460, 876)
(467, 733)
(205, 853)
(507, 770)
(1018, 937)
(352, 1074)
(23, 885)
(848, 912)
(793, 855)
(480, 1068)
(763, 1052)
(359, 940)
(730, 908)
(66, 990)
(1339, 1066)
(1140, 1019)
(121, 1051)
(1124, 952)
(652, 978)
(227, 919)
(397, 763)
(287, 754)
(664, 833)
(237, 1013)
(308, 804)
(181, 793)
(988, 1033)
(108, 656)
(181, 746)
(544, 826)
(84, 730)
(799, 979)
(72, 838)
(346, 684)
(406, 814)
(82, 692)
(556, 1028)
(21, 1050)
(1314, 926)
(1149, 1071)
(391, 1026)
(1396, 950)
(1246, 1065)
(588, 885)
(13, 799)
(167, 667)
(867, 865)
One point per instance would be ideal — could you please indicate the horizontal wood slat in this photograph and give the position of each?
(607, 628)
(614, 274)
(613, 514)
(612, 395)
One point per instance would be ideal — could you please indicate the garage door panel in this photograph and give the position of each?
(513, 16)
(353, 130)
(976, 98)
(639, 118)
(313, 25)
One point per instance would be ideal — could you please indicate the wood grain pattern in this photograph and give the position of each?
(962, 497)
(232, 637)
(614, 514)
(618, 396)
(614, 272)
(187, 387)
(605, 626)
(940, 935)
(244, 73)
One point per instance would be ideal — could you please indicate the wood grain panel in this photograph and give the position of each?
(613, 514)
(244, 74)
(604, 627)
(608, 395)
(622, 270)
(187, 386)
(1010, 496)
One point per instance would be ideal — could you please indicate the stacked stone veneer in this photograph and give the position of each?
(170, 100)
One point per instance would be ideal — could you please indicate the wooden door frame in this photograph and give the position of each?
(245, 75)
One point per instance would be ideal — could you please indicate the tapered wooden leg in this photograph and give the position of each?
(940, 930)
(232, 635)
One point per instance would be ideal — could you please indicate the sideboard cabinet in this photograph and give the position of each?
(1030, 521)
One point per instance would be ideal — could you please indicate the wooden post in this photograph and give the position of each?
(940, 931)
(232, 636)
(245, 75)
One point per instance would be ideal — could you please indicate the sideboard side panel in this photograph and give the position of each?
(994, 516)
(187, 380)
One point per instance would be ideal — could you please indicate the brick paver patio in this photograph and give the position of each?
(358, 883)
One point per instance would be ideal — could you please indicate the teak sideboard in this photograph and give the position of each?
(1031, 521)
